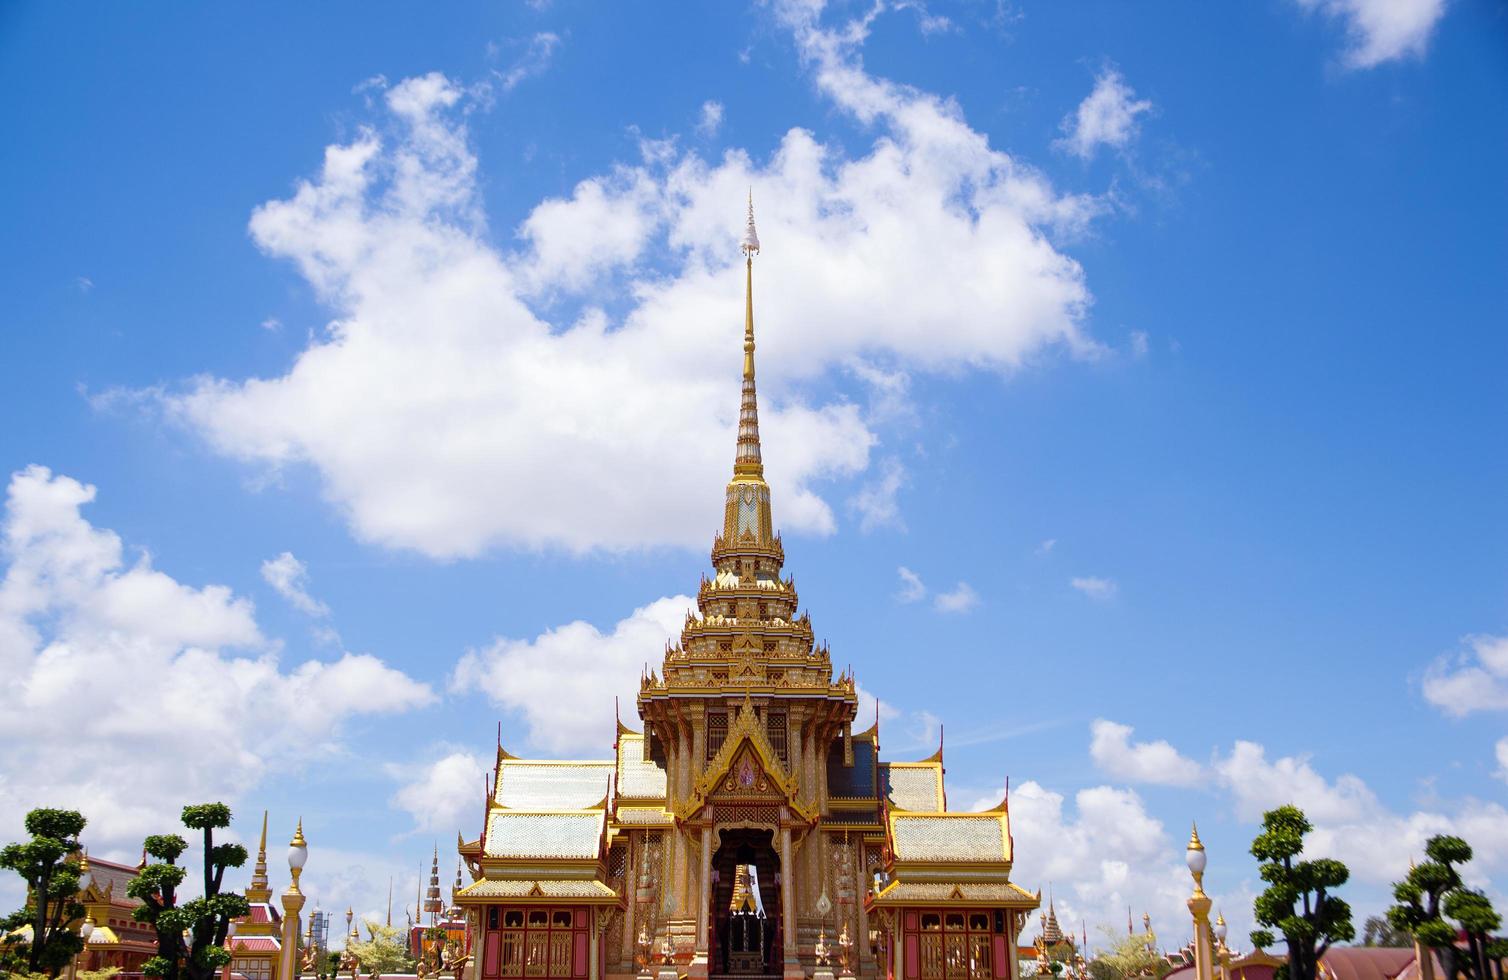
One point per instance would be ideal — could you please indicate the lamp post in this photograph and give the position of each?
(1199, 907)
(293, 900)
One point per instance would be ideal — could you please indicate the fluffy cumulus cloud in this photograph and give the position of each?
(163, 692)
(1351, 823)
(444, 795)
(563, 681)
(450, 407)
(1108, 853)
(1106, 117)
(1158, 763)
(1475, 679)
(1383, 30)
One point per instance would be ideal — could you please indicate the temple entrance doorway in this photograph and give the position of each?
(745, 911)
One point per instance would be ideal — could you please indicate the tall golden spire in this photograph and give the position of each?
(259, 890)
(746, 517)
(748, 462)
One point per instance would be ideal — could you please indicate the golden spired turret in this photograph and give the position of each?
(747, 816)
(259, 890)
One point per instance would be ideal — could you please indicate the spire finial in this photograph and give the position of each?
(259, 887)
(750, 245)
(748, 462)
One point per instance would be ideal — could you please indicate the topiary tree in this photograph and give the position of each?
(1432, 892)
(1298, 900)
(51, 874)
(191, 934)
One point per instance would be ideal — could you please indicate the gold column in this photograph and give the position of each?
(703, 891)
(1012, 934)
(788, 900)
(631, 861)
(1199, 907)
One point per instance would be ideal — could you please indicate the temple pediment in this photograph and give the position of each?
(746, 766)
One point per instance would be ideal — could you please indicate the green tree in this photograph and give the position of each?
(1378, 931)
(1298, 900)
(381, 952)
(190, 934)
(51, 874)
(1432, 892)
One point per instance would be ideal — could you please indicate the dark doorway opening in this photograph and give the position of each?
(745, 911)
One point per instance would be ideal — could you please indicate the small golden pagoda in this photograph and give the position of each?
(256, 940)
(747, 816)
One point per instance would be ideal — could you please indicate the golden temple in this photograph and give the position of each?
(746, 821)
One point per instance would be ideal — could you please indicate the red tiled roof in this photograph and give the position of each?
(1365, 962)
(252, 944)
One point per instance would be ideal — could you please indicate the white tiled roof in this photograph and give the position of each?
(642, 816)
(912, 787)
(949, 837)
(638, 778)
(547, 835)
(546, 786)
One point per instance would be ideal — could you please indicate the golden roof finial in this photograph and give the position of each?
(1195, 844)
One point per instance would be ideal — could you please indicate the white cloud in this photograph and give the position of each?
(444, 413)
(912, 588)
(711, 119)
(876, 503)
(1383, 30)
(962, 599)
(1502, 754)
(84, 284)
(534, 61)
(290, 579)
(1095, 587)
(1106, 117)
(1140, 343)
(1475, 679)
(564, 680)
(868, 702)
(1350, 823)
(1158, 763)
(133, 670)
(1258, 785)
(443, 796)
(1108, 854)
(1046, 546)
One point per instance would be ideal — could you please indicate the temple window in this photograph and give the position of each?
(776, 730)
(717, 731)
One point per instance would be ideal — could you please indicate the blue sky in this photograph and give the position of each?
(1131, 377)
